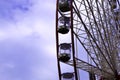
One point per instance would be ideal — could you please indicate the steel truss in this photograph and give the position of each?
(95, 24)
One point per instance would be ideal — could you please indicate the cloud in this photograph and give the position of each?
(27, 40)
(10, 7)
(25, 60)
(40, 17)
(13, 10)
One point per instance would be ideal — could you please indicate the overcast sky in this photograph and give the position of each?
(27, 40)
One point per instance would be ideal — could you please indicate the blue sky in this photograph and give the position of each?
(27, 40)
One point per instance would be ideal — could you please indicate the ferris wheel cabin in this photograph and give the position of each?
(64, 25)
(64, 5)
(65, 49)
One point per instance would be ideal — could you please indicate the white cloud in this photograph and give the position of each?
(36, 20)
(29, 40)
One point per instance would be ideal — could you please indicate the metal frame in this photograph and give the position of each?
(94, 26)
(72, 41)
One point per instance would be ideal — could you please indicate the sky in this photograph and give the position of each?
(27, 40)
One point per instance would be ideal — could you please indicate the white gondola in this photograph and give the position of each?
(64, 25)
(65, 50)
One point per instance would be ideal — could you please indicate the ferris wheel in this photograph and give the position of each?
(94, 25)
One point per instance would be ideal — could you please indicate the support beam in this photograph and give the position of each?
(90, 68)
